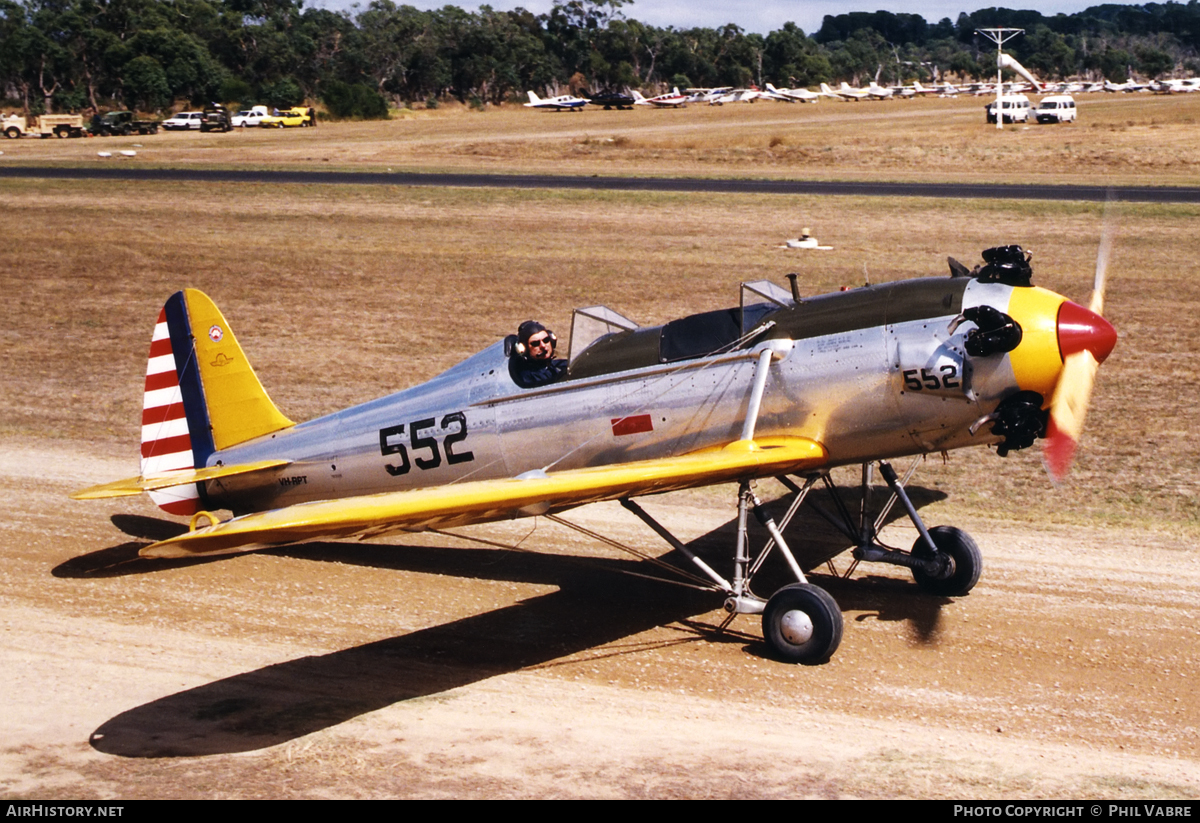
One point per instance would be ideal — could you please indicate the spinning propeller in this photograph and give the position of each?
(1085, 339)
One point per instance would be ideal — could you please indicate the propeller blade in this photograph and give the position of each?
(1085, 340)
(1102, 257)
(1068, 408)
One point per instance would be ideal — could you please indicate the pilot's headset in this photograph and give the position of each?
(527, 330)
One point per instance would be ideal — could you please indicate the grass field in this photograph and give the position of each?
(1119, 139)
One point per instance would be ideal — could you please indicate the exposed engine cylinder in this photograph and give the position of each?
(1020, 421)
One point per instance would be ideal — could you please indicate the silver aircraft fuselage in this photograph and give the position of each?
(869, 373)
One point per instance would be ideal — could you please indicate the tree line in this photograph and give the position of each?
(74, 55)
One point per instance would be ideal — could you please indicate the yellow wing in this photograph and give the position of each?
(481, 501)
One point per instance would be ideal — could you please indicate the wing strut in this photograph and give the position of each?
(772, 349)
(676, 544)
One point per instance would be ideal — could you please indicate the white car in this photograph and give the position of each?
(250, 118)
(184, 120)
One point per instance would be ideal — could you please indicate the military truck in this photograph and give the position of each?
(59, 125)
(216, 118)
(121, 123)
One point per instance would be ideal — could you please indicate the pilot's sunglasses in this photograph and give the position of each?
(545, 341)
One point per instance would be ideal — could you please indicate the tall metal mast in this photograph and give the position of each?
(999, 37)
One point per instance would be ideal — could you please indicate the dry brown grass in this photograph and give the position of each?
(1120, 139)
(340, 294)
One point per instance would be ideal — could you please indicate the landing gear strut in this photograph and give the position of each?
(801, 622)
(944, 560)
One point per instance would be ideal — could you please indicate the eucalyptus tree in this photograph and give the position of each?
(15, 36)
(792, 59)
(573, 33)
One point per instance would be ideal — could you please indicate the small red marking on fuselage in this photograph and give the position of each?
(635, 424)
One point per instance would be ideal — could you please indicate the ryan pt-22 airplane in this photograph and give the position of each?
(781, 386)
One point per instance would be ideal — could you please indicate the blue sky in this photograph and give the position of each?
(761, 16)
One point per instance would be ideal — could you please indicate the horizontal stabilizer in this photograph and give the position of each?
(166, 480)
(481, 501)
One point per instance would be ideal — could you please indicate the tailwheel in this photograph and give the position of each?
(964, 562)
(802, 624)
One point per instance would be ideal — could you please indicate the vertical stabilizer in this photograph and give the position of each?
(201, 396)
(238, 407)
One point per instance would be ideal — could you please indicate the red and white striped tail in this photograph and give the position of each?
(166, 442)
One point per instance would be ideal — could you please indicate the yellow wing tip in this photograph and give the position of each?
(136, 485)
(129, 487)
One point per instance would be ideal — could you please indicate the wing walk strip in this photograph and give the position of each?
(487, 500)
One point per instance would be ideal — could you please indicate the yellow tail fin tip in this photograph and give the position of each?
(238, 406)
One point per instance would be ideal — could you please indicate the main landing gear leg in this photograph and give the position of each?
(801, 623)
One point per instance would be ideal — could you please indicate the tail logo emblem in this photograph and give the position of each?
(215, 334)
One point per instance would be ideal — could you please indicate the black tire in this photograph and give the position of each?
(802, 624)
(966, 562)
(62, 132)
(12, 132)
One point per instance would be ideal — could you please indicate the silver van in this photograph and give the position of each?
(1014, 106)
(1057, 108)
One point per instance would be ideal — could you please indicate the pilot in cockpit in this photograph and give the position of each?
(532, 362)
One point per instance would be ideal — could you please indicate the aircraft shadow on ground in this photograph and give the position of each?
(594, 605)
(287, 700)
(123, 559)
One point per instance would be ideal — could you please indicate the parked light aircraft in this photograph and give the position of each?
(706, 95)
(843, 92)
(563, 102)
(737, 96)
(793, 95)
(878, 92)
(780, 386)
(671, 100)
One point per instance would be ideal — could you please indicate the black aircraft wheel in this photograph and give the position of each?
(966, 562)
(802, 624)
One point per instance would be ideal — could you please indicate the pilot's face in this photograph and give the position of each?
(540, 347)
